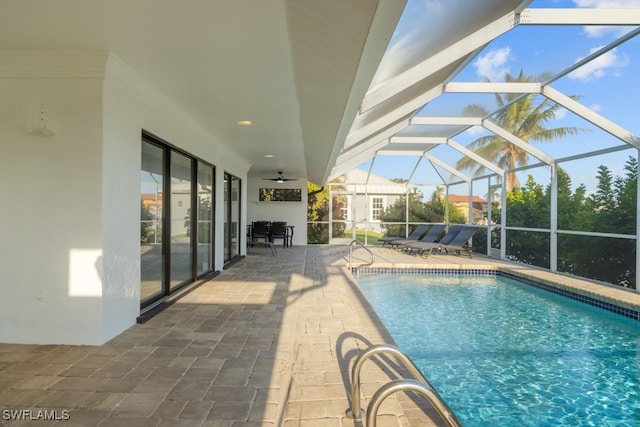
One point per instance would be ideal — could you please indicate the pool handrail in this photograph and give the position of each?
(420, 384)
(366, 264)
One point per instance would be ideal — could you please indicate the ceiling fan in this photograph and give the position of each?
(280, 179)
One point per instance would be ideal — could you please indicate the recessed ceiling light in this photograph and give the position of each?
(268, 156)
(244, 122)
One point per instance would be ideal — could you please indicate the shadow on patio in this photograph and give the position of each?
(268, 342)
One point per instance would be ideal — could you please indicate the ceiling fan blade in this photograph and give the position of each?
(280, 178)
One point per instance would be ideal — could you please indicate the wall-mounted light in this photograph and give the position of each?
(42, 128)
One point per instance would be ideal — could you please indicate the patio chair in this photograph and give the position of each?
(430, 236)
(421, 247)
(279, 231)
(261, 230)
(414, 235)
(461, 242)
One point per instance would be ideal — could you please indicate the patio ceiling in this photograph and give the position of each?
(297, 69)
(395, 119)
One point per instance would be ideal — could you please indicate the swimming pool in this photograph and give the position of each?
(501, 352)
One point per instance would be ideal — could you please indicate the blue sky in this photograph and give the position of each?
(610, 85)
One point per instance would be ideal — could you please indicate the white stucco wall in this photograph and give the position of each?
(69, 223)
(50, 255)
(294, 213)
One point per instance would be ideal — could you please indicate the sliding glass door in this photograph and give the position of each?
(232, 231)
(176, 220)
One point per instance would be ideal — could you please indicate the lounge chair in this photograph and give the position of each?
(448, 238)
(430, 236)
(414, 235)
(461, 242)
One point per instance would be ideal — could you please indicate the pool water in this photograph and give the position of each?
(504, 353)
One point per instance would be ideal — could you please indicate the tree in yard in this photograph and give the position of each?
(397, 213)
(614, 207)
(610, 209)
(317, 210)
(318, 213)
(437, 206)
(528, 206)
(432, 211)
(525, 118)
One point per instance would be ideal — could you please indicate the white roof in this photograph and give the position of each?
(361, 182)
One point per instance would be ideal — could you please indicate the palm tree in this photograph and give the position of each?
(524, 119)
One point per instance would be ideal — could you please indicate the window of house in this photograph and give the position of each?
(377, 207)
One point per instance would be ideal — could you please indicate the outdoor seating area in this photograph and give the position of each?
(265, 233)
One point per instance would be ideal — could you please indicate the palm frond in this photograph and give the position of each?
(525, 118)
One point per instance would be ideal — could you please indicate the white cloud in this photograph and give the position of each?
(599, 31)
(475, 130)
(561, 113)
(608, 4)
(595, 32)
(608, 63)
(596, 107)
(493, 65)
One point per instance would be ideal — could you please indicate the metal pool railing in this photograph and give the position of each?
(419, 384)
(366, 263)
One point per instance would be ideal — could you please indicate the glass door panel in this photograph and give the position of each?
(151, 222)
(180, 256)
(227, 214)
(231, 216)
(205, 218)
(235, 216)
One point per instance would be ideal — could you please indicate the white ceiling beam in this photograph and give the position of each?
(373, 143)
(579, 16)
(591, 116)
(346, 166)
(415, 169)
(490, 87)
(484, 162)
(417, 140)
(385, 152)
(403, 112)
(438, 61)
(357, 154)
(446, 121)
(489, 125)
(450, 169)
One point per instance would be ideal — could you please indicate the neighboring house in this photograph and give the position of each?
(152, 202)
(479, 206)
(364, 204)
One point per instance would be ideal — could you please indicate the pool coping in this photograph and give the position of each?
(607, 297)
